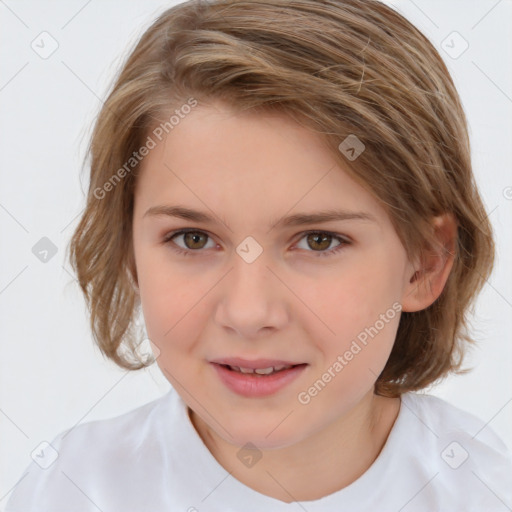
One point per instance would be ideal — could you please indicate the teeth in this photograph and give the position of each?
(264, 371)
(260, 371)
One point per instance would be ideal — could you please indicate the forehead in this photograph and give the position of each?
(247, 166)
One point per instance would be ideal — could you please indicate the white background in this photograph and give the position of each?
(51, 375)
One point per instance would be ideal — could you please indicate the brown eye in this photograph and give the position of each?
(319, 241)
(194, 239)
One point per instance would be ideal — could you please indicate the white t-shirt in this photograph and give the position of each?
(151, 459)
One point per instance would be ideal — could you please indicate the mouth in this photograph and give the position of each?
(250, 365)
(257, 378)
(259, 372)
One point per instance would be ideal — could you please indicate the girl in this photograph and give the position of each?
(284, 190)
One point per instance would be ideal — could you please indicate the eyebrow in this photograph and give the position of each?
(297, 219)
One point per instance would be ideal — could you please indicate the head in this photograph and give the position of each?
(255, 111)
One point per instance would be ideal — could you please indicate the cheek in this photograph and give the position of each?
(351, 364)
(358, 317)
(354, 298)
(171, 303)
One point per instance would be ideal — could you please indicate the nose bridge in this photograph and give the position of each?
(250, 297)
(250, 277)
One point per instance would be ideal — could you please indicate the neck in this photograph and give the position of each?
(323, 463)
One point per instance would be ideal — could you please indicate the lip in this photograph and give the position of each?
(254, 363)
(253, 386)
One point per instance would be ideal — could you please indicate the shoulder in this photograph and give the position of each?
(445, 420)
(88, 459)
(120, 438)
(462, 456)
(127, 428)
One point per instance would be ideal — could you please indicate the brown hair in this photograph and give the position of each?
(341, 67)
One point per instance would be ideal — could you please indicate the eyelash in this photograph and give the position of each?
(343, 241)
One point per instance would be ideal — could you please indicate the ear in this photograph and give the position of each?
(428, 277)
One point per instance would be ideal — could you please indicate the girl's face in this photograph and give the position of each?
(248, 283)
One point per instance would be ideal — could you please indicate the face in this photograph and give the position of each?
(322, 296)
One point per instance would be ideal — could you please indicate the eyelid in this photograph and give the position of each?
(171, 234)
(300, 235)
(343, 239)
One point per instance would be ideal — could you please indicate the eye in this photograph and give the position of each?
(321, 240)
(195, 240)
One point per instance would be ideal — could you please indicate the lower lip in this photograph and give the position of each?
(250, 385)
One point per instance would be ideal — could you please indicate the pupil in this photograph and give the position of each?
(194, 237)
(319, 238)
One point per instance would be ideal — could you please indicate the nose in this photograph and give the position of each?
(251, 299)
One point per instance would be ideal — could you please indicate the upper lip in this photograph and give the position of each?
(254, 363)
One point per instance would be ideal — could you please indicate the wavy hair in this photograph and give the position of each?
(339, 67)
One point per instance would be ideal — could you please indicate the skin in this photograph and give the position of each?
(290, 303)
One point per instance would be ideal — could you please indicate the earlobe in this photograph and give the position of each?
(428, 277)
